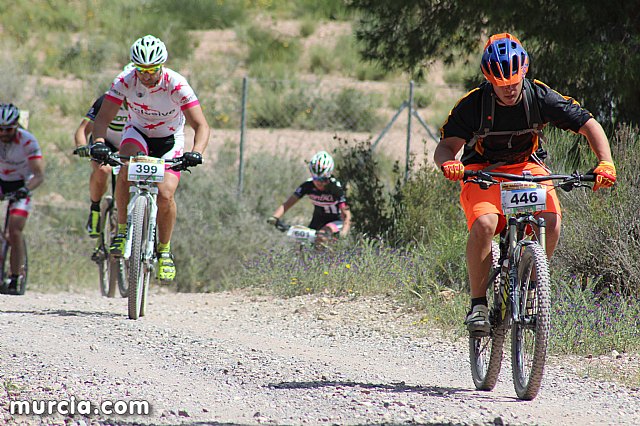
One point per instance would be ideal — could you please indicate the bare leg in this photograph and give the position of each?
(16, 226)
(479, 253)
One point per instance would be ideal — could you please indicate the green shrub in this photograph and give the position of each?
(347, 57)
(601, 231)
(320, 60)
(369, 198)
(217, 228)
(422, 96)
(266, 47)
(308, 27)
(203, 14)
(281, 104)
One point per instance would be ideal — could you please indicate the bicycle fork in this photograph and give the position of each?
(150, 195)
(517, 227)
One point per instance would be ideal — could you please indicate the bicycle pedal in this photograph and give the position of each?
(478, 334)
(98, 256)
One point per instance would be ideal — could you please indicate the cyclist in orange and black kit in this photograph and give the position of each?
(509, 147)
(331, 214)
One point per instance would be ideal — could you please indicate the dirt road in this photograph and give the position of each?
(237, 358)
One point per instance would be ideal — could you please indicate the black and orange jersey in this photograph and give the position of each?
(327, 202)
(465, 119)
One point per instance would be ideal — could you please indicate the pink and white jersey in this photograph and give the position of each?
(157, 111)
(15, 156)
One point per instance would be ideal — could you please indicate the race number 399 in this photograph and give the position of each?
(148, 169)
(522, 197)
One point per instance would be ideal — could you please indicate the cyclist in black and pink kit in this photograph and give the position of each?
(331, 214)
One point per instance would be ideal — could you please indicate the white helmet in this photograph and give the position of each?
(148, 51)
(321, 165)
(9, 115)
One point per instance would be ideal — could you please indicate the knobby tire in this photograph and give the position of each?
(117, 265)
(136, 266)
(485, 353)
(5, 270)
(107, 289)
(530, 336)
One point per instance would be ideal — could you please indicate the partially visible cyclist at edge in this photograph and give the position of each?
(159, 101)
(509, 146)
(331, 214)
(100, 174)
(21, 171)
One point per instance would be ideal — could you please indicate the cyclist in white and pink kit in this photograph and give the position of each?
(21, 171)
(159, 101)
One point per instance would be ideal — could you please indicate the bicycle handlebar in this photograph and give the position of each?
(11, 196)
(115, 159)
(568, 182)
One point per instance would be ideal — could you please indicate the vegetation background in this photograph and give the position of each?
(409, 236)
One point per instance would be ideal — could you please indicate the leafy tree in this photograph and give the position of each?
(588, 50)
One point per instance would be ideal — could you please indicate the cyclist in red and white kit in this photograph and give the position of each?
(21, 171)
(159, 101)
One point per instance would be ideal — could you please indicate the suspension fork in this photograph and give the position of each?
(517, 227)
(150, 194)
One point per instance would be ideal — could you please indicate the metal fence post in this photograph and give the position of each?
(243, 126)
(408, 154)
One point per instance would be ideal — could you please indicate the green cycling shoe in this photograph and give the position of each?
(166, 267)
(117, 245)
(93, 224)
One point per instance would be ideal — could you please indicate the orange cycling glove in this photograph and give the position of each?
(453, 170)
(605, 175)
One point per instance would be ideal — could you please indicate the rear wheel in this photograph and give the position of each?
(117, 265)
(108, 223)
(530, 333)
(24, 270)
(485, 353)
(5, 270)
(136, 268)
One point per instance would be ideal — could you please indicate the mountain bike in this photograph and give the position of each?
(518, 289)
(140, 249)
(299, 233)
(5, 251)
(112, 270)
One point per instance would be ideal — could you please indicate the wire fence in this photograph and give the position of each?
(308, 114)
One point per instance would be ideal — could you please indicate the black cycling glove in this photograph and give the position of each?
(192, 158)
(22, 193)
(100, 151)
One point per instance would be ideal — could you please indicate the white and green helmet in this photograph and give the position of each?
(148, 51)
(321, 165)
(9, 114)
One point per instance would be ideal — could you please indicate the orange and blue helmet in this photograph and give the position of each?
(504, 61)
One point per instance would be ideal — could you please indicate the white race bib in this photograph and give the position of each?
(146, 169)
(301, 233)
(522, 197)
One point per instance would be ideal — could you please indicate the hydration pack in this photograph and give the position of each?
(532, 111)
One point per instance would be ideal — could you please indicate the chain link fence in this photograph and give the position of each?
(307, 115)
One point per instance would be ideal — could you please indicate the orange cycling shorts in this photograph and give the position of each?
(476, 201)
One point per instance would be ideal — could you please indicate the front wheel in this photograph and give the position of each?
(485, 353)
(137, 268)
(6, 268)
(530, 331)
